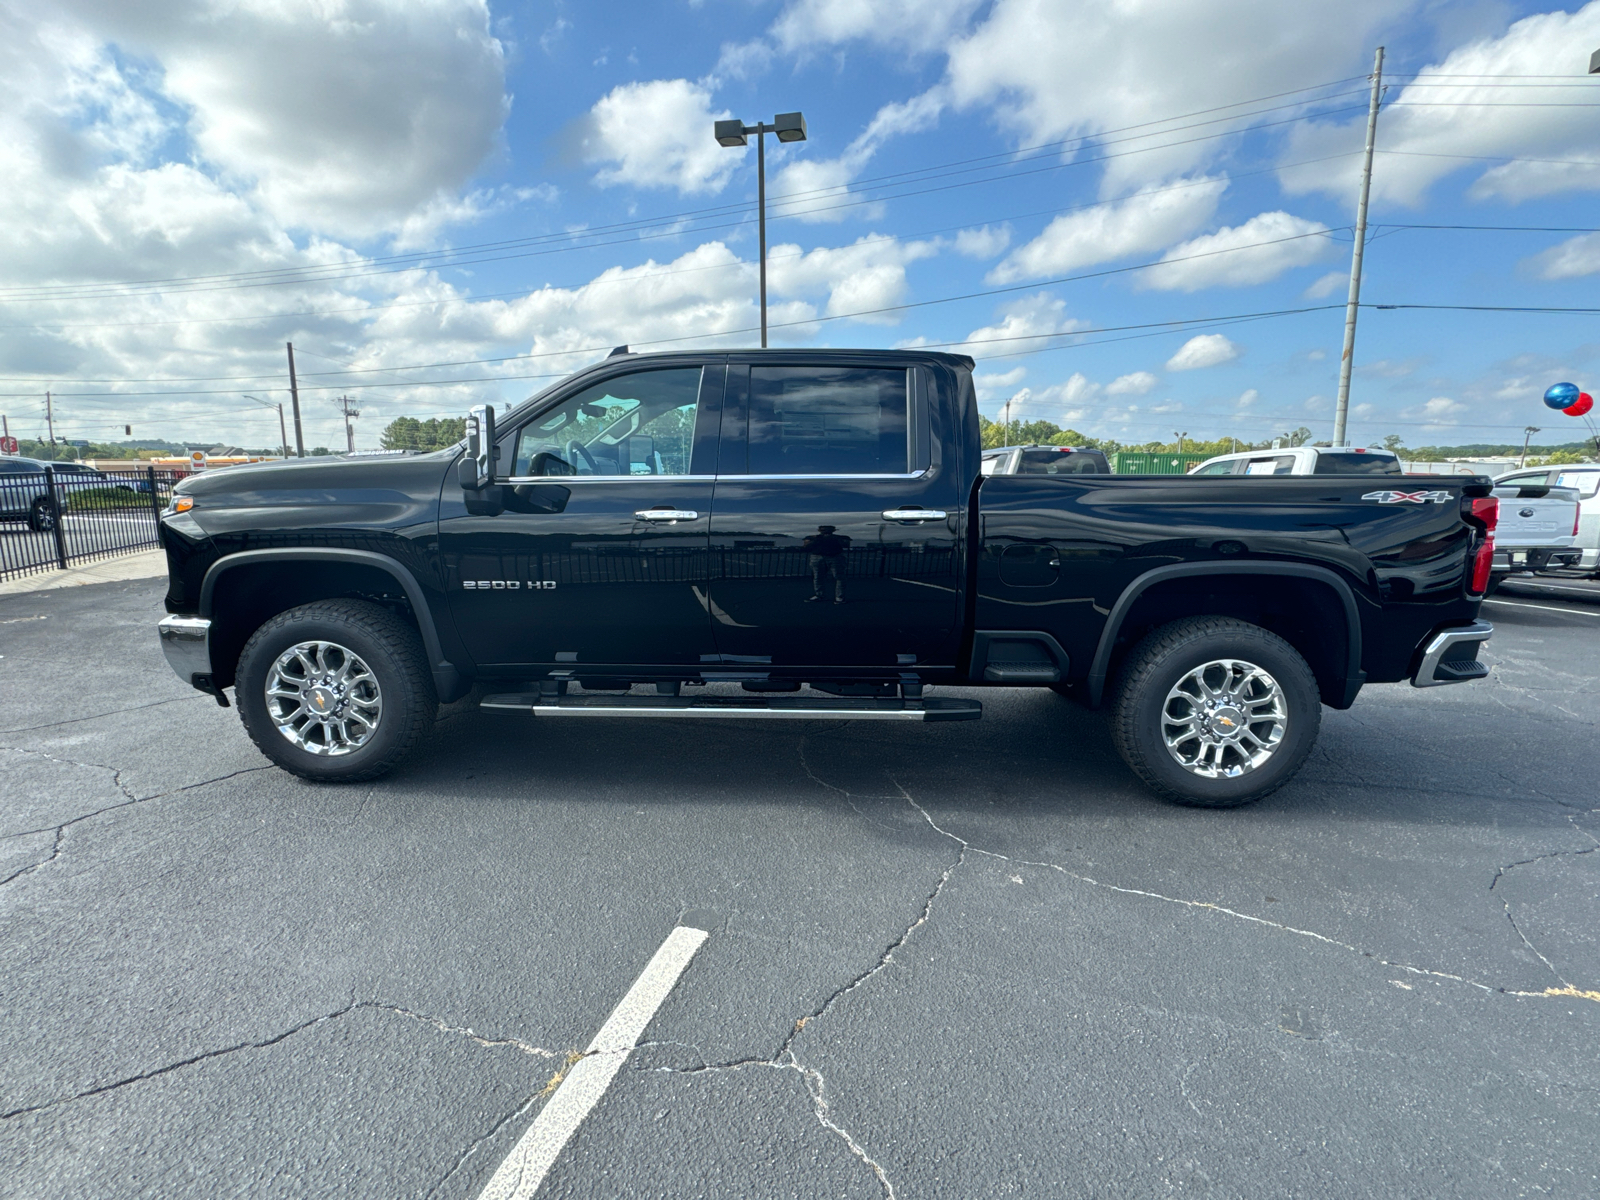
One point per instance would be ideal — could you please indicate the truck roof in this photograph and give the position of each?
(809, 354)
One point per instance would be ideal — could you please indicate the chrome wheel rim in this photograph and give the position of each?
(324, 699)
(1224, 719)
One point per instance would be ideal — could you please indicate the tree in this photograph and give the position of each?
(1560, 458)
(436, 433)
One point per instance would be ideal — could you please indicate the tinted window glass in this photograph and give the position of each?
(1283, 464)
(1357, 464)
(827, 421)
(990, 464)
(1218, 468)
(640, 424)
(1053, 462)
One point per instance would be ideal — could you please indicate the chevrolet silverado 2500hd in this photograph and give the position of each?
(705, 535)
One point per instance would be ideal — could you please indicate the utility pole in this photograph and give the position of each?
(283, 433)
(1527, 432)
(50, 418)
(1346, 360)
(294, 398)
(349, 431)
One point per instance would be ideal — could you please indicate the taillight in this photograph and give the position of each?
(1485, 512)
(1576, 513)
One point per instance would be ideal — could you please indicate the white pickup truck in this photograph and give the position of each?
(1538, 529)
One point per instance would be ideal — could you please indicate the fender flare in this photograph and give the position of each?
(1095, 682)
(448, 680)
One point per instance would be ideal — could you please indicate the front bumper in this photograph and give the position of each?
(1450, 655)
(186, 641)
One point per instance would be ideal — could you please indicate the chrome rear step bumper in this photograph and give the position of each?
(1450, 656)
(761, 708)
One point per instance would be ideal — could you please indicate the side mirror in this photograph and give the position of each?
(476, 469)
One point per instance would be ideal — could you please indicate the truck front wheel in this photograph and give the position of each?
(338, 690)
(1215, 712)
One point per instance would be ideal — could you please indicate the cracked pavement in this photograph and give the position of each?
(952, 961)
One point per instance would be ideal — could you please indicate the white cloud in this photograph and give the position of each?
(984, 242)
(742, 60)
(869, 274)
(1442, 113)
(1203, 350)
(818, 187)
(1573, 258)
(1024, 325)
(1137, 383)
(1060, 403)
(657, 135)
(1053, 70)
(991, 384)
(340, 115)
(1260, 250)
(1327, 285)
(1142, 223)
(1247, 399)
(911, 24)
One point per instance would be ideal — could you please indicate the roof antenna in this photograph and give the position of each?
(617, 351)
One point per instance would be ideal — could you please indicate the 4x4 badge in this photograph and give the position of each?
(1408, 497)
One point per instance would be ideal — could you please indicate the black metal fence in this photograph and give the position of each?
(53, 518)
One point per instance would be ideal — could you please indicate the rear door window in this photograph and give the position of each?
(1356, 464)
(1587, 482)
(828, 421)
(1225, 467)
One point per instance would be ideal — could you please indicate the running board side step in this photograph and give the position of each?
(768, 708)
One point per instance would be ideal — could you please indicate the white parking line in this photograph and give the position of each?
(1571, 612)
(518, 1177)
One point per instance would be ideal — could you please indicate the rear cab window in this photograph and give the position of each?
(1058, 462)
(1341, 463)
(1225, 467)
(1280, 464)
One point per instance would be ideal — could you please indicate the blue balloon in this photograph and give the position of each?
(1561, 395)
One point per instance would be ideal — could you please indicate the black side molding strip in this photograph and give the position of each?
(1354, 677)
(447, 679)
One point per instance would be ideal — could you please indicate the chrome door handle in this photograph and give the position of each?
(666, 514)
(914, 514)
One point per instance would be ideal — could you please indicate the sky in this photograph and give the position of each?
(1137, 216)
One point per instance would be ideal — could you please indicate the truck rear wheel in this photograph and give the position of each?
(1215, 712)
(338, 690)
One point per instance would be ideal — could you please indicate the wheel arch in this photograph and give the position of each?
(250, 587)
(1247, 591)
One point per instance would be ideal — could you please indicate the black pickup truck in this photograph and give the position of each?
(807, 534)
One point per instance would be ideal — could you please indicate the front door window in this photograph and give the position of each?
(641, 424)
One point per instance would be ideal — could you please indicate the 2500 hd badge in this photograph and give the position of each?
(508, 585)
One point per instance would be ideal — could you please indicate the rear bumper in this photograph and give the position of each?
(1450, 655)
(1536, 558)
(186, 641)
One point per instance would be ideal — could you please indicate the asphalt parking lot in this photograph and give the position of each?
(944, 961)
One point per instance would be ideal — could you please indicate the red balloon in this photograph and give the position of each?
(1581, 406)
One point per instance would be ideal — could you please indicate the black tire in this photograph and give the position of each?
(42, 515)
(388, 646)
(1164, 658)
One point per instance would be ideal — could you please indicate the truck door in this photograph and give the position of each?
(600, 555)
(835, 524)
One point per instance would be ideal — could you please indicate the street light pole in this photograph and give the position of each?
(1527, 432)
(283, 431)
(790, 127)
